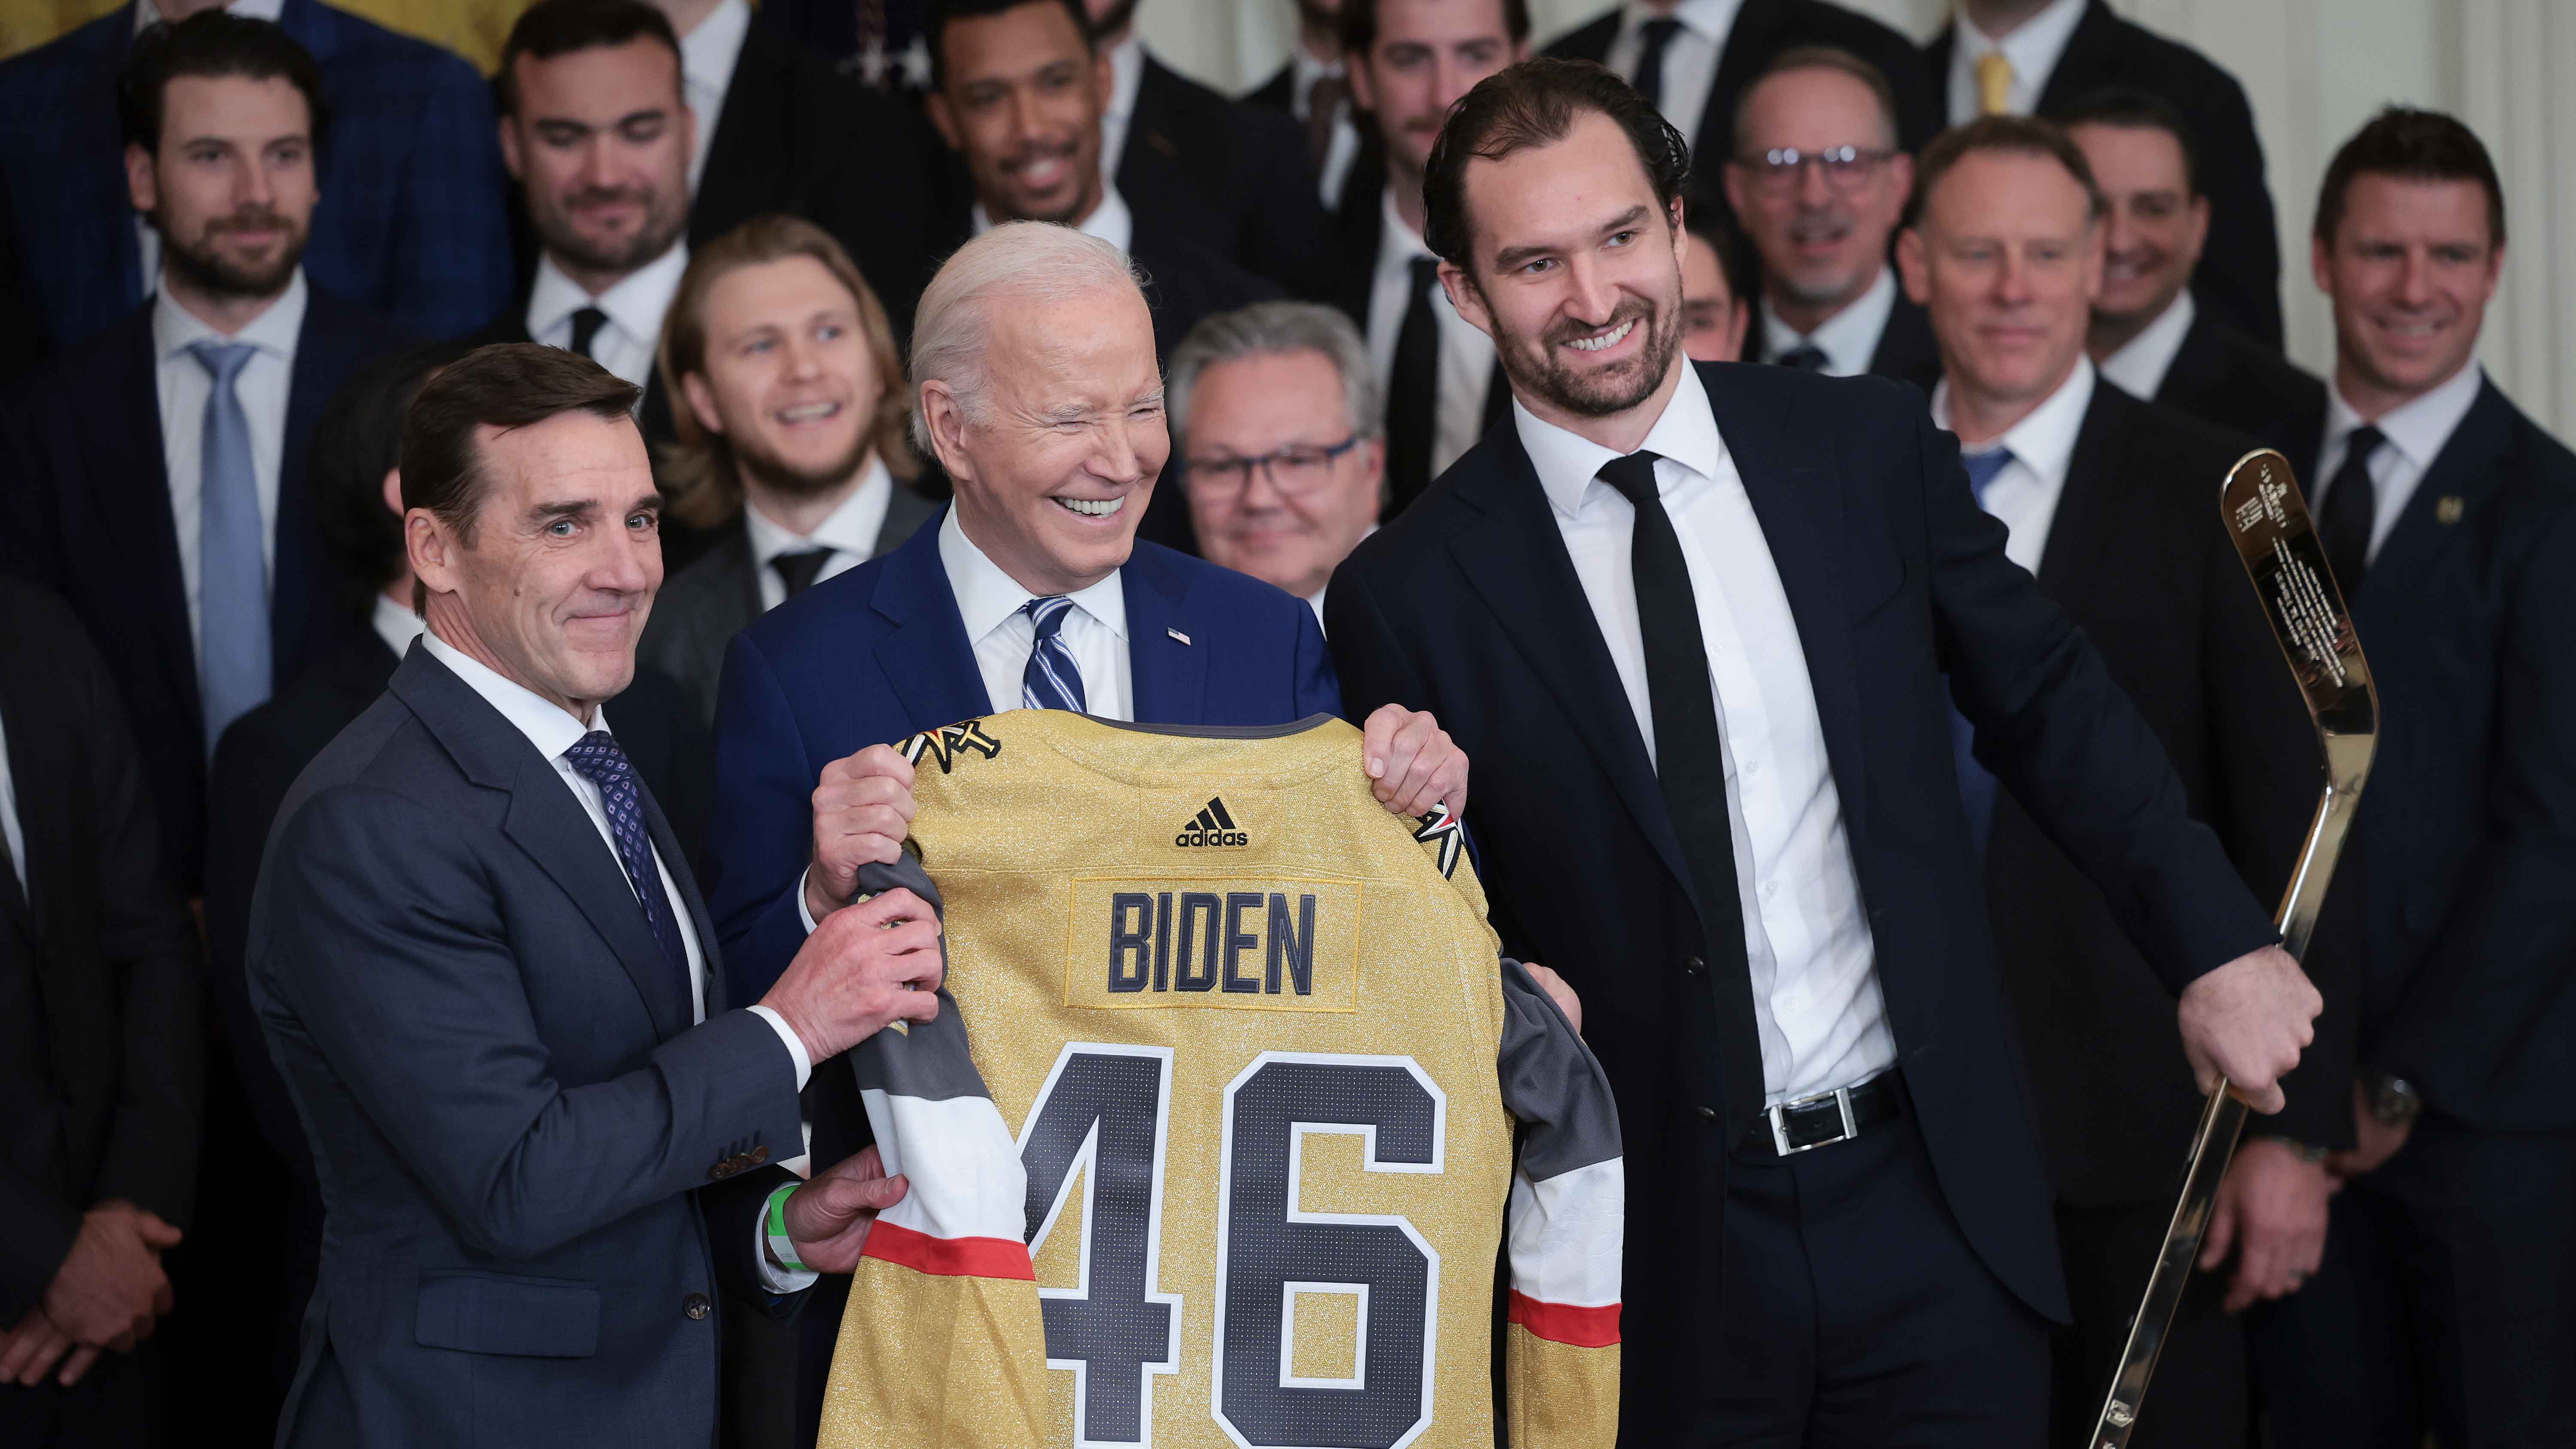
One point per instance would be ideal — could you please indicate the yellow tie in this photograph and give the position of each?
(1994, 84)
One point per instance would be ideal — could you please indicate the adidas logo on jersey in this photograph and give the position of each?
(1212, 826)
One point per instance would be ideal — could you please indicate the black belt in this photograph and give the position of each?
(1826, 1118)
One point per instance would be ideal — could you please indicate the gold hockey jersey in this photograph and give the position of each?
(1212, 1142)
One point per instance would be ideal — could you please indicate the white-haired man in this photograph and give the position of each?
(1036, 388)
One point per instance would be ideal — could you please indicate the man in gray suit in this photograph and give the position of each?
(487, 976)
(790, 411)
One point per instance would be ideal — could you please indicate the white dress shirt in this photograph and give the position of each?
(1466, 355)
(2417, 431)
(849, 531)
(9, 828)
(1848, 339)
(1816, 999)
(396, 624)
(185, 388)
(2025, 493)
(2139, 367)
(2033, 48)
(707, 57)
(989, 601)
(1126, 77)
(635, 306)
(147, 237)
(1690, 57)
(1110, 221)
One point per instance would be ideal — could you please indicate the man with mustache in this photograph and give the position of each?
(1692, 620)
(1819, 184)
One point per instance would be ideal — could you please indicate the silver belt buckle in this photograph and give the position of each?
(1779, 1116)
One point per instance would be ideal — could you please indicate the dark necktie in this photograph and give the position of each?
(1649, 79)
(798, 570)
(2352, 507)
(597, 756)
(1690, 765)
(585, 330)
(1413, 392)
(1323, 111)
(1050, 680)
(1976, 785)
(1805, 357)
(13, 892)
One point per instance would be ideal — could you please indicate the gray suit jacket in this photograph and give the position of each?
(717, 596)
(510, 1110)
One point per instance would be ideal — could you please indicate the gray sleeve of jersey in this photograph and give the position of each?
(1552, 1083)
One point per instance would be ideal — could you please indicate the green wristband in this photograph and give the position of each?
(780, 1247)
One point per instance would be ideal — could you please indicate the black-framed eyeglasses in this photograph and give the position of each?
(1296, 469)
(1846, 168)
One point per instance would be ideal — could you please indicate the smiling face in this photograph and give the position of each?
(2006, 259)
(2410, 269)
(1576, 273)
(1021, 100)
(789, 379)
(231, 187)
(1822, 240)
(600, 144)
(1055, 460)
(1292, 523)
(1428, 54)
(2156, 226)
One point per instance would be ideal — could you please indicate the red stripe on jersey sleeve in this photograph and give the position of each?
(1555, 1322)
(954, 1257)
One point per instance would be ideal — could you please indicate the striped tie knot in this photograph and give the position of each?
(1047, 613)
(1052, 680)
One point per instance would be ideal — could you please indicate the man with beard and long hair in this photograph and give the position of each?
(158, 483)
(791, 451)
(1692, 623)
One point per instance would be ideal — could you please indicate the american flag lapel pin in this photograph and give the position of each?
(1175, 633)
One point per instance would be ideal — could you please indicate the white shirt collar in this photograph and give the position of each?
(2044, 440)
(396, 624)
(1126, 75)
(147, 14)
(2139, 367)
(988, 597)
(845, 528)
(1849, 338)
(1708, 19)
(1398, 243)
(1110, 221)
(548, 726)
(2034, 45)
(708, 54)
(2418, 427)
(273, 331)
(1568, 464)
(636, 302)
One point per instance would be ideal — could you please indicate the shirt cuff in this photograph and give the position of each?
(775, 1279)
(803, 913)
(795, 1044)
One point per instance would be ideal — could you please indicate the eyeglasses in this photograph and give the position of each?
(1847, 168)
(1297, 469)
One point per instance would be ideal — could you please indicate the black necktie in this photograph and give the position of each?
(585, 329)
(798, 570)
(1805, 357)
(1650, 63)
(2352, 506)
(1691, 768)
(1413, 392)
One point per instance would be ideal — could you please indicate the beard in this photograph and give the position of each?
(794, 481)
(208, 270)
(1535, 365)
(662, 225)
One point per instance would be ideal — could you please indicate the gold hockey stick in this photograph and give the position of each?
(2263, 512)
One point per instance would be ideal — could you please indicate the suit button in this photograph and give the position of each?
(1695, 966)
(696, 1306)
(1710, 1113)
(725, 1168)
(755, 1157)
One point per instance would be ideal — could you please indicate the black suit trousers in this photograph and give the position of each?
(116, 1405)
(2200, 1394)
(2446, 1302)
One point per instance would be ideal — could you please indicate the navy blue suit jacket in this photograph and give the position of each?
(510, 1109)
(414, 218)
(85, 511)
(1468, 606)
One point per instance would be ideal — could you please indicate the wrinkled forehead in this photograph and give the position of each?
(1091, 348)
(570, 458)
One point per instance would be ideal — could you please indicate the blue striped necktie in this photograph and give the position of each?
(1051, 681)
(1976, 786)
(233, 673)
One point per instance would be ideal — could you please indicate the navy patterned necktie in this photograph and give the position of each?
(1051, 680)
(597, 756)
(1976, 784)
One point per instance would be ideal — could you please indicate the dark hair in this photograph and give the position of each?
(1715, 226)
(1359, 24)
(2014, 135)
(1825, 57)
(2417, 145)
(356, 441)
(508, 385)
(938, 15)
(212, 43)
(551, 28)
(1536, 103)
(2136, 110)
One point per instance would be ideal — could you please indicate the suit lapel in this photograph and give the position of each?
(1170, 676)
(2082, 67)
(2466, 470)
(43, 787)
(2081, 533)
(667, 845)
(905, 514)
(747, 157)
(132, 474)
(926, 656)
(326, 347)
(1749, 47)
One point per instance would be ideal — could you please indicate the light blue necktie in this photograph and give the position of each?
(1051, 681)
(233, 667)
(1976, 786)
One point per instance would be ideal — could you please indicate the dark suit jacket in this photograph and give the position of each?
(88, 515)
(102, 1007)
(413, 220)
(1231, 177)
(2240, 269)
(2224, 377)
(2462, 846)
(2139, 560)
(1468, 606)
(510, 1109)
(703, 606)
(1279, 93)
(1906, 351)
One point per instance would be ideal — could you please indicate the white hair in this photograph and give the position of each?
(1021, 261)
(1270, 329)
